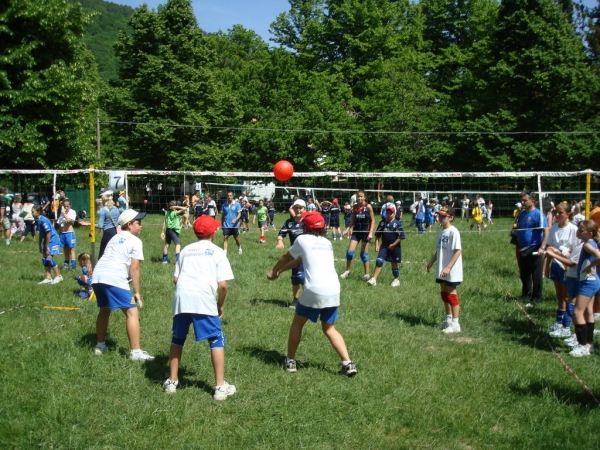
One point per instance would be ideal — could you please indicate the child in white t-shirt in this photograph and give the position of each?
(449, 272)
(200, 278)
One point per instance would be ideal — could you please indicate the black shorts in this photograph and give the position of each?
(233, 231)
(171, 236)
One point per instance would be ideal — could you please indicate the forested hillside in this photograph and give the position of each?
(102, 32)
(351, 85)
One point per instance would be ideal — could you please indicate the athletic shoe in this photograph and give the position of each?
(240, 251)
(345, 275)
(294, 303)
(395, 283)
(571, 342)
(57, 279)
(349, 369)
(561, 333)
(580, 350)
(222, 392)
(533, 303)
(99, 350)
(140, 356)
(170, 386)
(372, 281)
(290, 365)
(46, 281)
(445, 324)
(65, 266)
(555, 326)
(366, 277)
(452, 328)
(165, 262)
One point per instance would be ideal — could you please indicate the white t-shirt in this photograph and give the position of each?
(71, 215)
(212, 208)
(321, 284)
(202, 265)
(564, 240)
(448, 240)
(571, 271)
(113, 267)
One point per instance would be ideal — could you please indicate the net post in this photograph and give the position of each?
(588, 193)
(92, 217)
(540, 202)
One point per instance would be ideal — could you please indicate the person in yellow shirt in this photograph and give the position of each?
(477, 218)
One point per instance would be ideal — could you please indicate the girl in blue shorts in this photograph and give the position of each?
(363, 226)
(589, 283)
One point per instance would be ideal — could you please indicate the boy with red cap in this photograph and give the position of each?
(449, 272)
(201, 274)
(391, 233)
(321, 296)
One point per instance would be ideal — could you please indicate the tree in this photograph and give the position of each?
(48, 86)
(166, 79)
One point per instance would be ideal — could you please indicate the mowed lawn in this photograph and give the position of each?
(495, 385)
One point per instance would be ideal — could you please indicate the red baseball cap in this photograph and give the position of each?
(313, 220)
(205, 226)
(391, 208)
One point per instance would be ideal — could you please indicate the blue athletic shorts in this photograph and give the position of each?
(448, 283)
(572, 287)
(360, 236)
(588, 288)
(68, 240)
(171, 236)
(205, 327)
(390, 256)
(328, 315)
(557, 273)
(233, 231)
(113, 297)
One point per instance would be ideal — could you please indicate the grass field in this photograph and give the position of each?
(495, 385)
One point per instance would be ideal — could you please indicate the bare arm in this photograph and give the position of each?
(446, 270)
(279, 265)
(222, 291)
(431, 262)
(135, 274)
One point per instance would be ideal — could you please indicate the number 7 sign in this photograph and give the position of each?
(117, 180)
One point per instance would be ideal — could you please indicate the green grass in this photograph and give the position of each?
(495, 385)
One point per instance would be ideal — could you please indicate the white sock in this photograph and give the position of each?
(287, 360)
(455, 321)
(136, 351)
(448, 317)
(100, 344)
(345, 363)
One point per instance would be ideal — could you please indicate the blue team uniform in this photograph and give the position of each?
(271, 211)
(347, 216)
(389, 232)
(230, 212)
(45, 226)
(294, 229)
(334, 219)
(245, 214)
(326, 211)
(198, 209)
(362, 223)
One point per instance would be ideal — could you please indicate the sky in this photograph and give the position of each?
(215, 15)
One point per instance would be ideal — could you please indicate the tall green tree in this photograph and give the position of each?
(166, 79)
(538, 80)
(48, 86)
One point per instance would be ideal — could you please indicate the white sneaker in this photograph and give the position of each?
(46, 281)
(372, 282)
(561, 333)
(445, 324)
(555, 326)
(140, 356)
(99, 350)
(452, 328)
(170, 386)
(366, 277)
(571, 342)
(395, 283)
(57, 279)
(222, 392)
(345, 275)
(580, 350)
(240, 251)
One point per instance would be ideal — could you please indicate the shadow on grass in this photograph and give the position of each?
(542, 388)
(411, 320)
(524, 332)
(280, 303)
(89, 341)
(158, 370)
(275, 358)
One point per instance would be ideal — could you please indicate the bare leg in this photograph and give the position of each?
(225, 238)
(295, 335)
(217, 355)
(102, 323)
(336, 339)
(133, 327)
(174, 360)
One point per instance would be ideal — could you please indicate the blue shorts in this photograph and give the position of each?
(572, 287)
(232, 231)
(205, 327)
(588, 288)
(335, 222)
(54, 249)
(171, 236)
(360, 236)
(68, 240)
(448, 283)
(394, 256)
(113, 297)
(557, 273)
(328, 315)
(298, 275)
